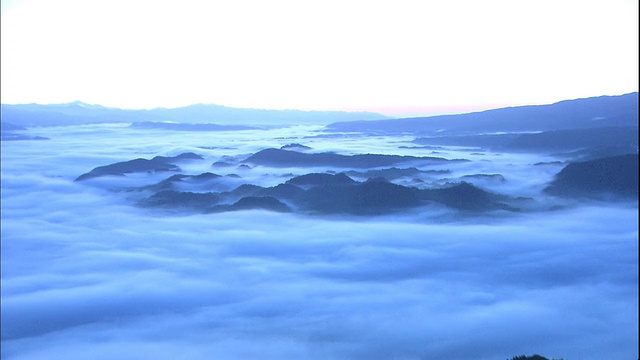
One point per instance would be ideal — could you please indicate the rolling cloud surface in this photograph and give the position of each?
(85, 273)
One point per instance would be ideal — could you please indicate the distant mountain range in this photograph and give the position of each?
(588, 113)
(78, 113)
(595, 112)
(607, 122)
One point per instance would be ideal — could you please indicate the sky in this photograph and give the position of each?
(398, 58)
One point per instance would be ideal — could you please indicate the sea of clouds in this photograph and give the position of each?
(85, 274)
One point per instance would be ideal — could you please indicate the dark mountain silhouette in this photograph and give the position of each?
(171, 199)
(7, 126)
(168, 183)
(260, 202)
(8, 133)
(221, 164)
(493, 141)
(364, 198)
(597, 152)
(491, 177)
(616, 139)
(244, 190)
(610, 176)
(284, 158)
(77, 113)
(11, 136)
(394, 173)
(295, 147)
(316, 179)
(197, 178)
(560, 140)
(465, 196)
(157, 164)
(594, 112)
(283, 191)
(532, 357)
(331, 194)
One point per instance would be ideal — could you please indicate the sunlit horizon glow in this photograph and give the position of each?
(406, 58)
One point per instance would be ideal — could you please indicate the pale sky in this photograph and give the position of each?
(397, 57)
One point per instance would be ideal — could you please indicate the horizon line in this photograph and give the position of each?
(389, 111)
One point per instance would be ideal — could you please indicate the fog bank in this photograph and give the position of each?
(85, 273)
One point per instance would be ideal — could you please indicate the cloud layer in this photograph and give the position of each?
(86, 274)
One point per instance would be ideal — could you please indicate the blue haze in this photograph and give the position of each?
(86, 274)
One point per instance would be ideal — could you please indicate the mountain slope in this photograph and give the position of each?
(616, 175)
(285, 158)
(595, 112)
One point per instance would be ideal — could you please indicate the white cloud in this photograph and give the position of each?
(84, 272)
(344, 289)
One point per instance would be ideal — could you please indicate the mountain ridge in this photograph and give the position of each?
(80, 113)
(593, 112)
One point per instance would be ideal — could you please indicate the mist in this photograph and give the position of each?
(85, 272)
